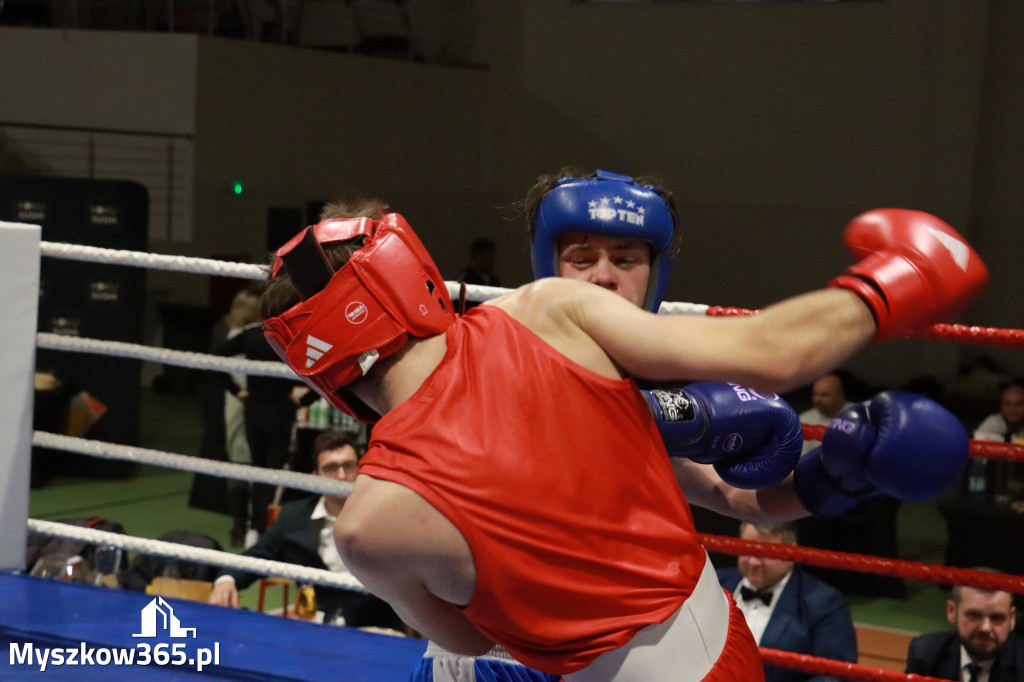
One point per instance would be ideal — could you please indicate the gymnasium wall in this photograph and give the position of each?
(774, 123)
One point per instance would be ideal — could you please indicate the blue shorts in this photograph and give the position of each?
(438, 665)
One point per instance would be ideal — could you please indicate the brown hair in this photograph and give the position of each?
(331, 440)
(280, 295)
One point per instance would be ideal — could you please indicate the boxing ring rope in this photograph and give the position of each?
(863, 563)
(173, 550)
(198, 465)
(986, 336)
(1013, 452)
(935, 574)
(959, 333)
(849, 671)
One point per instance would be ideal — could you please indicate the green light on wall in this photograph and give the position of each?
(237, 187)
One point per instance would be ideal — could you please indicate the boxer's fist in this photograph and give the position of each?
(897, 444)
(916, 270)
(753, 439)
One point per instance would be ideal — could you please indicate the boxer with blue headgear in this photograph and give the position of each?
(619, 233)
(605, 205)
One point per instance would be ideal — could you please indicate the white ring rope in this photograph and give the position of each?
(208, 266)
(173, 550)
(205, 266)
(199, 465)
(266, 368)
(307, 482)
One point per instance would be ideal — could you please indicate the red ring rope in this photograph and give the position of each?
(929, 573)
(979, 448)
(960, 333)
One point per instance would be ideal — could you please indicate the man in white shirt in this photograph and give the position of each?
(1003, 480)
(1007, 425)
(828, 398)
(787, 608)
(303, 534)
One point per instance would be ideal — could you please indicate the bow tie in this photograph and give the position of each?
(748, 594)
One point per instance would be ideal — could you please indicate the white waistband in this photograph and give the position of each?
(497, 653)
(684, 648)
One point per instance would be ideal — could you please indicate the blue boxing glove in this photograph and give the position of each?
(753, 440)
(897, 444)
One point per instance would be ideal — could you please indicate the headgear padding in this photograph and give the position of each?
(610, 205)
(349, 319)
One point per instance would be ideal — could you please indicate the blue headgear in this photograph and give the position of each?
(609, 205)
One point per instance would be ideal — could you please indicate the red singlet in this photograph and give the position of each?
(558, 480)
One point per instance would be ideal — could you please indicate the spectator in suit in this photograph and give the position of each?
(788, 609)
(303, 534)
(983, 648)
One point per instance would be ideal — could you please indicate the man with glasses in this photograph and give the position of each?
(303, 534)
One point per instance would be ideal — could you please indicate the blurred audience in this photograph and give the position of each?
(245, 310)
(993, 480)
(268, 411)
(1006, 425)
(483, 256)
(828, 397)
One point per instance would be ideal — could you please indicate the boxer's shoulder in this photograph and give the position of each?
(556, 310)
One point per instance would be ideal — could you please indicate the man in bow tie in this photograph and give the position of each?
(787, 608)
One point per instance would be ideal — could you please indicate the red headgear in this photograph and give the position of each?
(349, 319)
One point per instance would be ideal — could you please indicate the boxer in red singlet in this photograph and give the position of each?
(504, 527)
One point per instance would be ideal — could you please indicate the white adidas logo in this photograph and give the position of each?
(315, 349)
(961, 254)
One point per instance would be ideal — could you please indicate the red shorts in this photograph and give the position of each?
(739, 659)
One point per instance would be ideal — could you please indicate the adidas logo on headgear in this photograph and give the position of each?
(315, 349)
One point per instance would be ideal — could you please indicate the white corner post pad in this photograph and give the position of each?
(19, 304)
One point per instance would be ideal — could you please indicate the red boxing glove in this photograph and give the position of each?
(916, 270)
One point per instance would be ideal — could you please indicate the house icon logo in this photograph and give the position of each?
(159, 615)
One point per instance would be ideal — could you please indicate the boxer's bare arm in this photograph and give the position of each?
(703, 487)
(784, 346)
(407, 553)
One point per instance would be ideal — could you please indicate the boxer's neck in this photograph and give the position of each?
(395, 379)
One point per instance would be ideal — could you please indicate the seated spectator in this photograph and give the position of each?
(828, 397)
(982, 648)
(304, 534)
(787, 608)
(1007, 425)
(999, 480)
